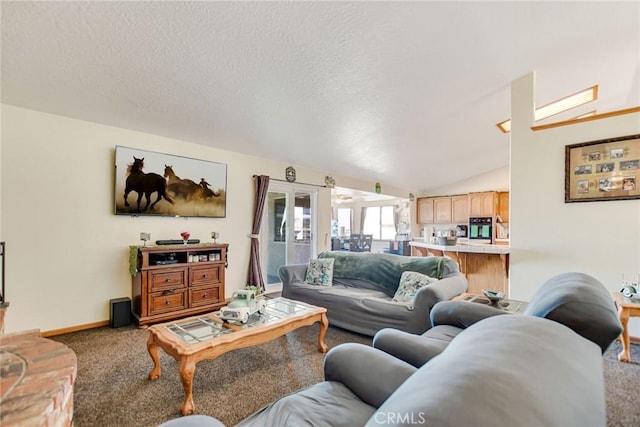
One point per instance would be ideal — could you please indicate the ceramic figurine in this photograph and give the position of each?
(631, 289)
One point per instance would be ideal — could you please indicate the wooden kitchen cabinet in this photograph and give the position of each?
(460, 209)
(482, 204)
(442, 210)
(169, 284)
(503, 206)
(425, 213)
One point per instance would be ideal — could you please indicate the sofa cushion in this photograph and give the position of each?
(328, 403)
(410, 282)
(383, 271)
(320, 272)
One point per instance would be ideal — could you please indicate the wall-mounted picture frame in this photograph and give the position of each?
(606, 169)
(151, 183)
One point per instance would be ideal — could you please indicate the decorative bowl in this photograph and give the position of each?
(493, 296)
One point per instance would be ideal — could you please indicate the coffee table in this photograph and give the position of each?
(510, 305)
(626, 308)
(193, 339)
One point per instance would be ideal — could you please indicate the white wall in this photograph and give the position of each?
(67, 251)
(495, 180)
(549, 236)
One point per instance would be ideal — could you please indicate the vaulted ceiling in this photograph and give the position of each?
(407, 94)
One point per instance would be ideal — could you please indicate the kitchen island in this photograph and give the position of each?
(484, 266)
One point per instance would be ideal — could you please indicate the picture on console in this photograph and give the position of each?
(150, 183)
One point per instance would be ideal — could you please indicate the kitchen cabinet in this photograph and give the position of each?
(482, 204)
(503, 205)
(425, 210)
(442, 210)
(460, 209)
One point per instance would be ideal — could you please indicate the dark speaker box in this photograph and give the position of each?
(120, 312)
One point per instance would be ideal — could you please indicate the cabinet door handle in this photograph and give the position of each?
(167, 280)
(204, 275)
(167, 302)
(204, 295)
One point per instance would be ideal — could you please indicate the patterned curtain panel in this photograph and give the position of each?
(261, 187)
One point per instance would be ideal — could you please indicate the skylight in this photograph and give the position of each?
(559, 106)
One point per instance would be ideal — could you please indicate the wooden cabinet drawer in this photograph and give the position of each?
(167, 301)
(167, 279)
(204, 296)
(209, 275)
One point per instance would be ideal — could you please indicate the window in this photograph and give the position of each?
(344, 222)
(379, 222)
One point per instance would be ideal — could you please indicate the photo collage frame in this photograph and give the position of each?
(607, 169)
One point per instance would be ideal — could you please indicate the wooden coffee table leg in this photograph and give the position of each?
(187, 369)
(625, 354)
(152, 348)
(324, 325)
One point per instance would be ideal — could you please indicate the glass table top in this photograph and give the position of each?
(507, 304)
(207, 327)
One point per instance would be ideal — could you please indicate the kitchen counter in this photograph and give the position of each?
(485, 266)
(461, 247)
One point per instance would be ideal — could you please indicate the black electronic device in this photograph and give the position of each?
(120, 312)
(176, 242)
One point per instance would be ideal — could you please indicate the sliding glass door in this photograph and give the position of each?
(289, 227)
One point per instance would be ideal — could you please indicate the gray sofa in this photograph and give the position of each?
(364, 284)
(502, 371)
(576, 300)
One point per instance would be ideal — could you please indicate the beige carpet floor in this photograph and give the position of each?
(112, 388)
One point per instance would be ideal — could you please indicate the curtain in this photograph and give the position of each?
(254, 275)
(396, 217)
(363, 215)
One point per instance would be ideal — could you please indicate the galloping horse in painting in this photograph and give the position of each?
(207, 193)
(184, 188)
(145, 183)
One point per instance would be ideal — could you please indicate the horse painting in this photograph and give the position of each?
(144, 184)
(184, 188)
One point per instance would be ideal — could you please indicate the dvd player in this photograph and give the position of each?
(176, 242)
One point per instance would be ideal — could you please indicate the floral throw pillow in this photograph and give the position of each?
(320, 272)
(410, 283)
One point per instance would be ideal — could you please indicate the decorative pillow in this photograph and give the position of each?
(410, 283)
(320, 272)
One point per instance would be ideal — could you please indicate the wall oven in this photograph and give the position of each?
(481, 230)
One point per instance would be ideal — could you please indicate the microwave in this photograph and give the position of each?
(480, 230)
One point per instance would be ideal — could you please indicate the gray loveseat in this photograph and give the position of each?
(364, 284)
(502, 371)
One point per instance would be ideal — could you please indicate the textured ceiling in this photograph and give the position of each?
(407, 94)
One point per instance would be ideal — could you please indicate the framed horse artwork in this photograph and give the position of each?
(150, 183)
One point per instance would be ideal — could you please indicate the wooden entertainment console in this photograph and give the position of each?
(178, 281)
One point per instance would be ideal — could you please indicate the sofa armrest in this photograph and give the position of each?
(442, 290)
(462, 314)
(292, 273)
(414, 349)
(370, 374)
